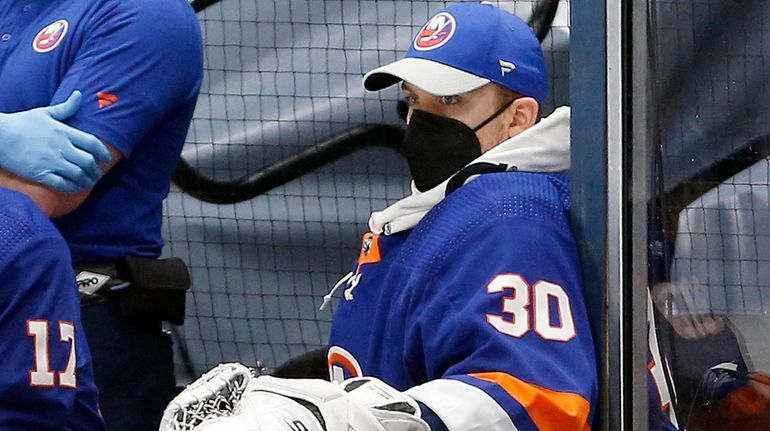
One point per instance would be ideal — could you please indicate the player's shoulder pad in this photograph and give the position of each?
(490, 200)
(21, 221)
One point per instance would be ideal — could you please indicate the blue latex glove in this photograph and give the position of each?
(37, 146)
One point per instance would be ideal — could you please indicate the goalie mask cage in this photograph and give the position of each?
(286, 158)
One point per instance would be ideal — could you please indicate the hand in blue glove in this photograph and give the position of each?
(37, 146)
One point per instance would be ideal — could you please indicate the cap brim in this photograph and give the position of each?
(427, 75)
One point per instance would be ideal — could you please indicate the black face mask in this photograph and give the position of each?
(436, 147)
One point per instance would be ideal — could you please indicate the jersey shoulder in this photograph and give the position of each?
(148, 7)
(490, 200)
(170, 23)
(21, 222)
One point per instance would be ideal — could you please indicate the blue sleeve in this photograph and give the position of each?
(138, 62)
(504, 330)
(431, 418)
(41, 339)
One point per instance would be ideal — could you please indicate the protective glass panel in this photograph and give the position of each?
(710, 216)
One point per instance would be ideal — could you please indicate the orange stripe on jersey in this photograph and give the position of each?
(549, 410)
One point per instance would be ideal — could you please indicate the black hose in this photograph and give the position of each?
(542, 18)
(281, 172)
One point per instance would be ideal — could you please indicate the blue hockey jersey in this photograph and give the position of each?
(46, 382)
(478, 311)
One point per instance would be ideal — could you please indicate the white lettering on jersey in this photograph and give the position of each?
(516, 320)
(565, 329)
(514, 306)
(67, 378)
(41, 375)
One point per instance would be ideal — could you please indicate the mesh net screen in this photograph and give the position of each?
(713, 181)
(282, 76)
(713, 115)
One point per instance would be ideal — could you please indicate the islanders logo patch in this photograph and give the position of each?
(51, 36)
(436, 32)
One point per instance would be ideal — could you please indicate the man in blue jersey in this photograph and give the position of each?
(46, 382)
(138, 66)
(465, 309)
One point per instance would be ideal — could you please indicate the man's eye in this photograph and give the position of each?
(448, 100)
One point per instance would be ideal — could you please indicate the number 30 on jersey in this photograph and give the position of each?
(544, 306)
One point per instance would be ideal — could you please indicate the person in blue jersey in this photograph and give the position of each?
(465, 309)
(134, 70)
(46, 380)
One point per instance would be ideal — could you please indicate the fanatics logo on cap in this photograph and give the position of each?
(506, 67)
(436, 32)
(50, 37)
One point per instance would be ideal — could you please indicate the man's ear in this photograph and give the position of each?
(524, 114)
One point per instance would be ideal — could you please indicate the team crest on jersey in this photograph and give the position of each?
(51, 36)
(436, 32)
(342, 365)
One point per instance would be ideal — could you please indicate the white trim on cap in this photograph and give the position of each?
(435, 78)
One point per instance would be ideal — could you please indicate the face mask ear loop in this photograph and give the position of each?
(493, 116)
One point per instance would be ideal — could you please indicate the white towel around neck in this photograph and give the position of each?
(544, 147)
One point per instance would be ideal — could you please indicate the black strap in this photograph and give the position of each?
(493, 116)
(154, 274)
(146, 288)
(463, 174)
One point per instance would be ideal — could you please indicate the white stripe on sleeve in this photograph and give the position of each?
(462, 407)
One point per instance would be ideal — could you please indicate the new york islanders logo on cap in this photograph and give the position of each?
(50, 37)
(436, 32)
